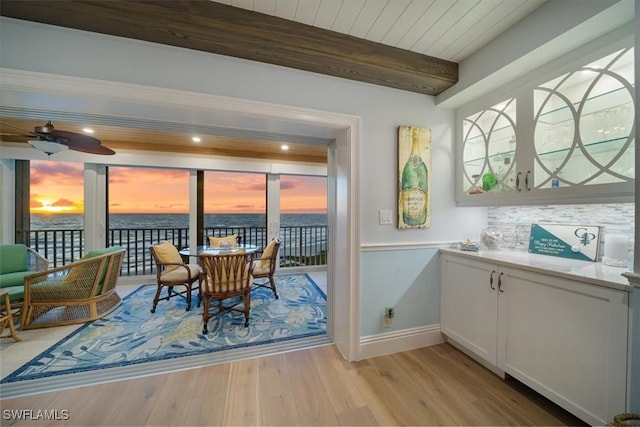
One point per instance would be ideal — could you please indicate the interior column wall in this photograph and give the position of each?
(7, 201)
(22, 191)
(95, 206)
(273, 208)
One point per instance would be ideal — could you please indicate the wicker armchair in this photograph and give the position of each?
(73, 293)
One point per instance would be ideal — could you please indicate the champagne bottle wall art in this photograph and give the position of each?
(414, 177)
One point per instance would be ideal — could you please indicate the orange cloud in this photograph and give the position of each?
(63, 202)
(58, 187)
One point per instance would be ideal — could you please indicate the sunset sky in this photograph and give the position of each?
(57, 187)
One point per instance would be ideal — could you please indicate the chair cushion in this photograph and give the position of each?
(231, 241)
(13, 258)
(104, 251)
(179, 274)
(167, 254)
(57, 290)
(13, 279)
(265, 260)
(78, 271)
(260, 269)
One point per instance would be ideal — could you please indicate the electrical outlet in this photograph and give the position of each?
(387, 317)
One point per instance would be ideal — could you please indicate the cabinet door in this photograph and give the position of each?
(567, 340)
(584, 124)
(488, 152)
(469, 305)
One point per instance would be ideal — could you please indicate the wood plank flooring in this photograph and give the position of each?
(435, 385)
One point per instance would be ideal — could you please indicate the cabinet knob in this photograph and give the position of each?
(493, 288)
(500, 282)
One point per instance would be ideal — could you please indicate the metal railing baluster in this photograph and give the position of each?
(301, 245)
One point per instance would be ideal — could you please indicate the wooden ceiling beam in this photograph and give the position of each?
(218, 28)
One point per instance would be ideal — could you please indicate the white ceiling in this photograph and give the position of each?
(446, 29)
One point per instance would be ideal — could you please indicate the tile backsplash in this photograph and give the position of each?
(515, 221)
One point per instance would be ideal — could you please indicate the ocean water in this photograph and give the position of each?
(129, 221)
(59, 237)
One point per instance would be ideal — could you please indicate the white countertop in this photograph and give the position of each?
(585, 271)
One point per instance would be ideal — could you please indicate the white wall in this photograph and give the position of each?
(35, 47)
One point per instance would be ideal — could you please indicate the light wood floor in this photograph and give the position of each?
(435, 385)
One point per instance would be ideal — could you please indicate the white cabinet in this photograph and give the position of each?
(567, 340)
(563, 338)
(469, 305)
(569, 136)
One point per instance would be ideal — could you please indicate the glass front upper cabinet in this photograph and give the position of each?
(567, 139)
(584, 125)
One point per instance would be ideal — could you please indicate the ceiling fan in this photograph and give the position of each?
(51, 140)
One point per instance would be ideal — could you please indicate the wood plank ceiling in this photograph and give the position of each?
(16, 131)
(412, 45)
(446, 29)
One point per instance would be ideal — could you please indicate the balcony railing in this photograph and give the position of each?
(301, 245)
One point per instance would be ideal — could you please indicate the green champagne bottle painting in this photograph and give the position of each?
(414, 163)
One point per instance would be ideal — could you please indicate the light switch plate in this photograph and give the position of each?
(386, 217)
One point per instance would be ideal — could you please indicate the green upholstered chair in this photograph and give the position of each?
(16, 262)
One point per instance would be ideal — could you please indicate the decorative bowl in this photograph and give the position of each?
(491, 238)
(469, 246)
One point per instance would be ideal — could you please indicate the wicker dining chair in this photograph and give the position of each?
(225, 277)
(265, 267)
(171, 271)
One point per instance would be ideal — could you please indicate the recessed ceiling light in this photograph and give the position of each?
(196, 139)
(87, 130)
(284, 147)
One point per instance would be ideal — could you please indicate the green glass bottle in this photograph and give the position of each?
(415, 189)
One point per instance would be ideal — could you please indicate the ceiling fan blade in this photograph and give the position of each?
(15, 135)
(71, 138)
(4, 132)
(94, 149)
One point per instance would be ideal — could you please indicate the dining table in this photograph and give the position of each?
(187, 252)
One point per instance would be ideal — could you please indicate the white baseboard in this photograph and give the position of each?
(397, 341)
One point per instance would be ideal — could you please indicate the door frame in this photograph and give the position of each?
(41, 91)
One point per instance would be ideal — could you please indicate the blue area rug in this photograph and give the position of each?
(132, 334)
